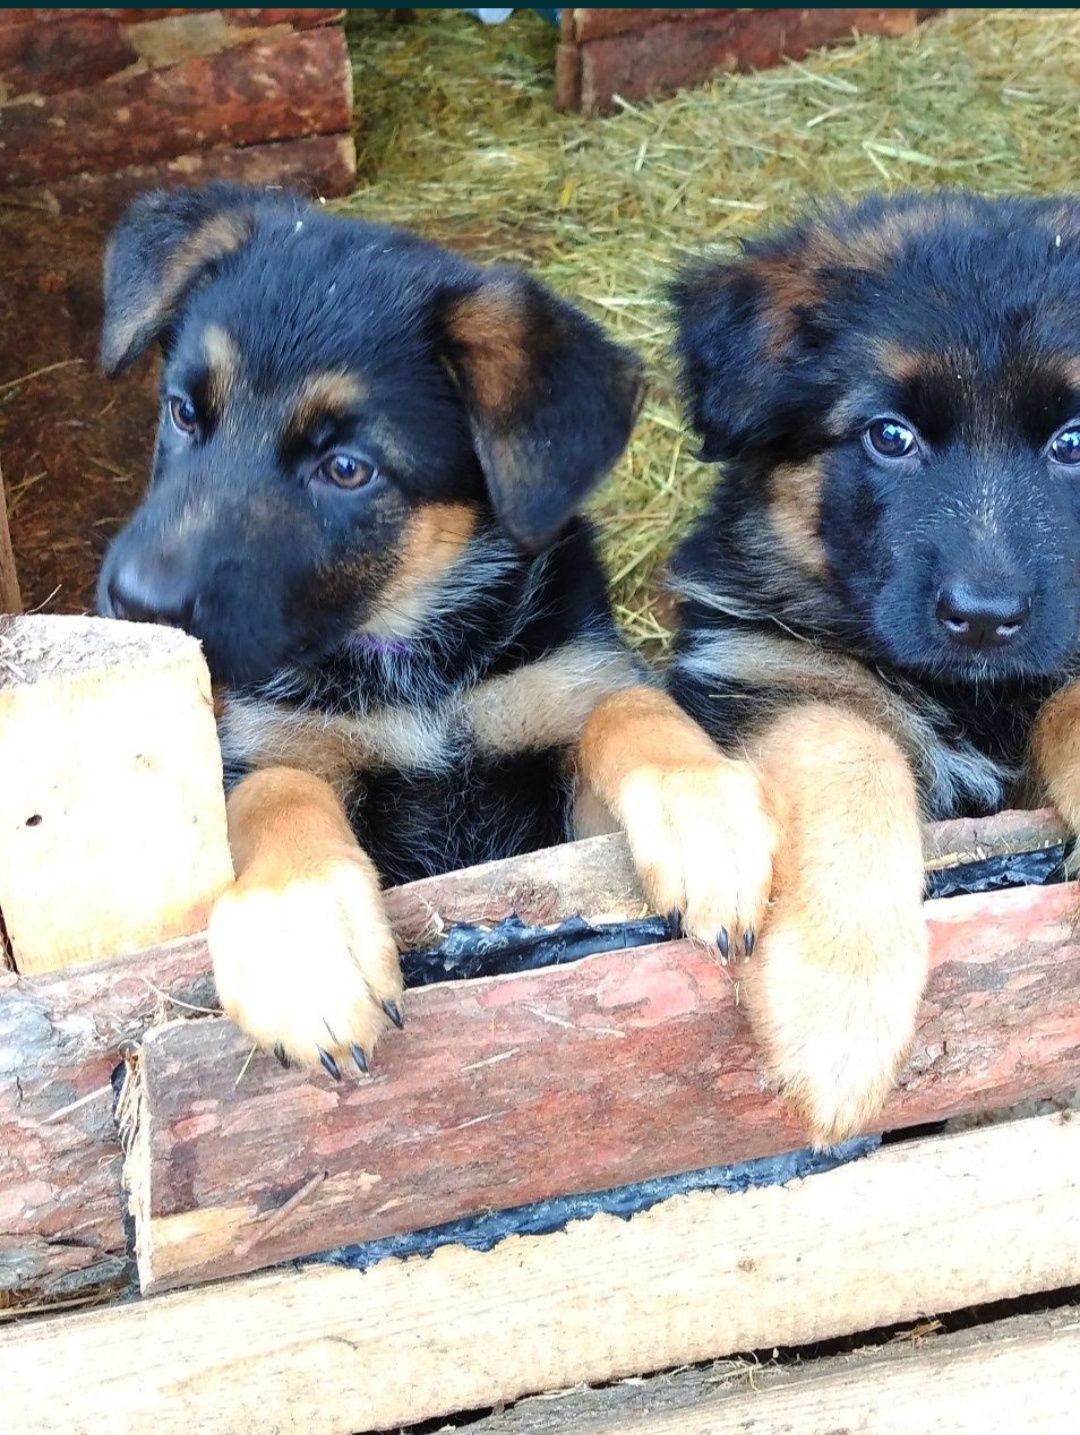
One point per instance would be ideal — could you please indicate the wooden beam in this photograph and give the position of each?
(611, 1070)
(660, 58)
(10, 601)
(321, 165)
(62, 1235)
(112, 812)
(255, 93)
(1018, 1375)
(936, 1224)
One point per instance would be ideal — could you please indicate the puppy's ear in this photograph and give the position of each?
(747, 332)
(551, 400)
(165, 242)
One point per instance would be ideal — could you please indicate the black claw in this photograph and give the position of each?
(723, 941)
(748, 941)
(393, 1011)
(360, 1059)
(279, 1052)
(329, 1064)
(674, 921)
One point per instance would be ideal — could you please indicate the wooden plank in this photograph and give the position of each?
(611, 1070)
(62, 1233)
(321, 165)
(10, 601)
(61, 1236)
(601, 22)
(1016, 1375)
(68, 51)
(931, 1225)
(668, 56)
(112, 812)
(139, 15)
(300, 84)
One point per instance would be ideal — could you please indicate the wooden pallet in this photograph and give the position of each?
(142, 1144)
(607, 54)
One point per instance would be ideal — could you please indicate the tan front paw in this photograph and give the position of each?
(834, 1009)
(309, 970)
(703, 840)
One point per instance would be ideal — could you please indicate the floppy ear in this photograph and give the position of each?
(551, 400)
(165, 242)
(747, 333)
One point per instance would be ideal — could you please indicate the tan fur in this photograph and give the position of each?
(488, 327)
(547, 703)
(842, 964)
(303, 954)
(434, 536)
(1055, 752)
(799, 670)
(223, 361)
(698, 823)
(544, 704)
(795, 511)
(330, 394)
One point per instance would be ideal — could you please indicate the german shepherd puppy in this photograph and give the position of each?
(882, 606)
(368, 459)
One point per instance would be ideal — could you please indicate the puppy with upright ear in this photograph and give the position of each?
(370, 463)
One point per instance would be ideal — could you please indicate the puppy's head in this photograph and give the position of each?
(342, 408)
(897, 389)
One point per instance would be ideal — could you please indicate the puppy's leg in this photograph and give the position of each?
(1055, 752)
(699, 828)
(304, 958)
(843, 958)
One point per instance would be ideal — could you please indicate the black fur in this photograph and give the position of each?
(508, 412)
(961, 317)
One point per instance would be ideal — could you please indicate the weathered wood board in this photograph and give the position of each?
(61, 1037)
(112, 812)
(614, 1069)
(606, 54)
(1019, 1375)
(923, 1226)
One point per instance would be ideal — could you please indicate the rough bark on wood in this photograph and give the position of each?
(1014, 1375)
(666, 56)
(10, 601)
(112, 813)
(323, 165)
(61, 1039)
(615, 1069)
(923, 1226)
(61, 1233)
(300, 84)
(68, 51)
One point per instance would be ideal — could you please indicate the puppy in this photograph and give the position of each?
(368, 459)
(881, 607)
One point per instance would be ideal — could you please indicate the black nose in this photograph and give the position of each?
(151, 591)
(980, 619)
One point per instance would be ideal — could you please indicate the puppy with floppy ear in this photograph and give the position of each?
(881, 607)
(369, 459)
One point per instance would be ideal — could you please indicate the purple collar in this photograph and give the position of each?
(373, 647)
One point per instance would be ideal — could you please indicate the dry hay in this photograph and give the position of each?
(460, 140)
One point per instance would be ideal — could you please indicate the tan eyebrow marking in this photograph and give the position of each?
(331, 393)
(223, 361)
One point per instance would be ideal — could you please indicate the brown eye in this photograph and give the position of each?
(346, 470)
(183, 414)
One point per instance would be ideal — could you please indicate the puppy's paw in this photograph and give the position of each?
(309, 969)
(833, 1003)
(703, 839)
